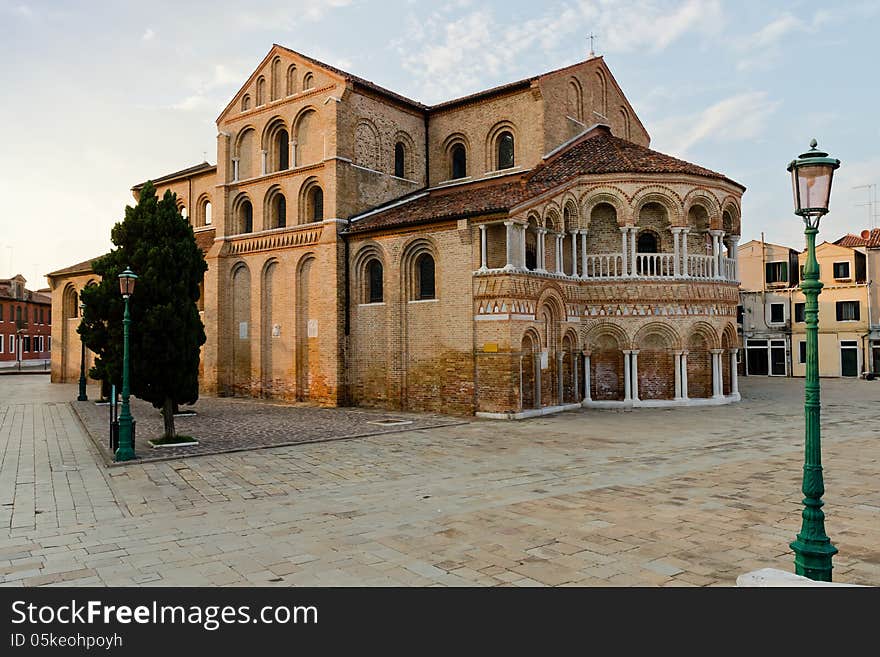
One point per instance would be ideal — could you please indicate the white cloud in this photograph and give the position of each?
(764, 48)
(290, 16)
(743, 116)
(451, 56)
(148, 35)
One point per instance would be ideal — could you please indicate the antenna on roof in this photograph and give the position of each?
(204, 156)
(592, 37)
(872, 204)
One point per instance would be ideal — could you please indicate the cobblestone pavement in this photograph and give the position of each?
(679, 497)
(227, 425)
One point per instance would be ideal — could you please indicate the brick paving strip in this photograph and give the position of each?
(230, 425)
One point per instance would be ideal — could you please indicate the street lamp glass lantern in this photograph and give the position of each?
(811, 176)
(126, 282)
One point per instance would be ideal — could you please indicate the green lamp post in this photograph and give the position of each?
(811, 176)
(82, 359)
(125, 450)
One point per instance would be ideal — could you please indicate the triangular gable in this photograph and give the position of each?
(263, 68)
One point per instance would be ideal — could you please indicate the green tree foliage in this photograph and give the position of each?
(158, 244)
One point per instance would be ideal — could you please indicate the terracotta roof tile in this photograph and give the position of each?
(80, 268)
(183, 173)
(868, 238)
(596, 152)
(457, 201)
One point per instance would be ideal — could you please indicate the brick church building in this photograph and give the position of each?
(514, 252)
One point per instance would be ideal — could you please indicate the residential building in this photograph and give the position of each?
(25, 324)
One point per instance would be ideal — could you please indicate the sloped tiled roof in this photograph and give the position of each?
(183, 173)
(80, 268)
(598, 151)
(595, 152)
(870, 239)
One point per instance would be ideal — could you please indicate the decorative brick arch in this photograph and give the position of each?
(729, 336)
(367, 145)
(708, 332)
(731, 205)
(552, 218)
(613, 196)
(492, 143)
(662, 195)
(673, 339)
(707, 201)
(605, 328)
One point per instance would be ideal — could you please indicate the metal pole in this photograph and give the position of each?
(813, 549)
(82, 372)
(125, 451)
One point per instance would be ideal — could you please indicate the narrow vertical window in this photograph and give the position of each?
(505, 150)
(317, 204)
(282, 148)
(399, 160)
(280, 211)
(425, 272)
(459, 161)
(374, 281)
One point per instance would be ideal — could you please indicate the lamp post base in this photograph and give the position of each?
(813, 558)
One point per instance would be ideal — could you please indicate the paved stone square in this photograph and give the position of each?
(228, 424)
(653, 497)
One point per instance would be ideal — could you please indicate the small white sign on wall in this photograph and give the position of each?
(545, 359)
(276, 330)
(243, 330)
(313, 328)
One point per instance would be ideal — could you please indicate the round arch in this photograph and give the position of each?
(667, 332)
(493, 162)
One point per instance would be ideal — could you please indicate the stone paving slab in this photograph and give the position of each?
(228, 425)
(653, 497)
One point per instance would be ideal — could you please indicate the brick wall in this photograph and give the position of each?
(656, 374)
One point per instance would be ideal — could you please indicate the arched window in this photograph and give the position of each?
(261, 91)
(459, 161)
(279, 211)
(425, 277)
(246, 217)
(505, 150)
(245, 102)
(316, 203)
(276, 78)
(308, 81)
(647, 242)
(291, 80)
(399, 160)
(374, 281)
(183, 212)
(206, 213)
(282, 150)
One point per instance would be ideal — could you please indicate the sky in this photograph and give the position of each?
(99, 96)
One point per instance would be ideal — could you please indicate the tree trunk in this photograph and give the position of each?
(168, 414)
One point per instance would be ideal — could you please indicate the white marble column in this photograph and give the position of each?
(587, 382)
(560, 379)
(509, 243)
(235, 171)
(575, 367)
(540, 266)
(717, 383)
(716, 252)
(522, 246)
(623, 249)
(264, 162)
(733, 240)
(633, 230)
(634, 367)
(574, 252)
(685, 270)
(559, 258)
(627, 381)
(291, 155)
(684, 375)
(583, 234)
(676, 238)
(677, 374)
(483, 248)
(734, 376)
(537, 361)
